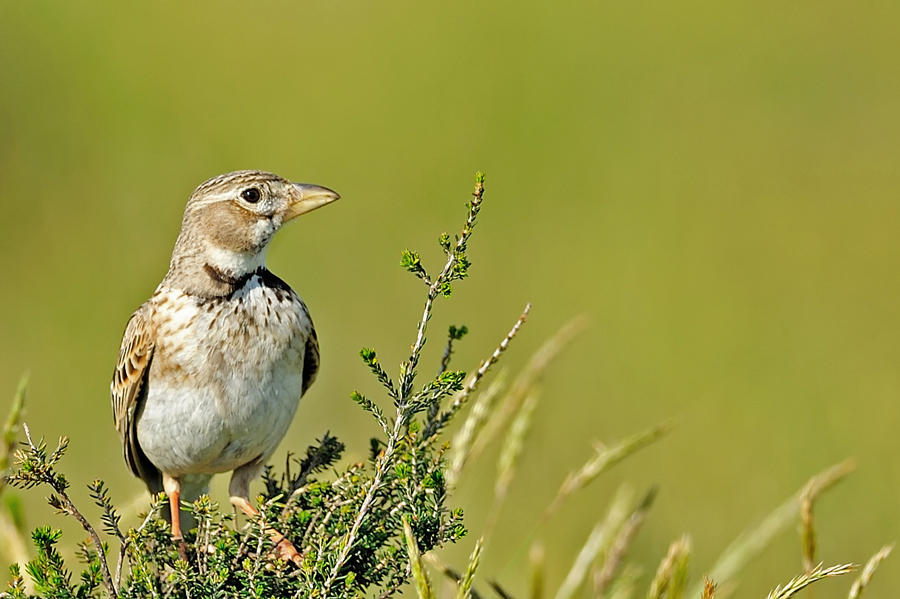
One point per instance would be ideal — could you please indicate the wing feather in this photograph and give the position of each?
(310, 361)
(128, 391)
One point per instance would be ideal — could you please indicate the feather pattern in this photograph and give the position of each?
(311, 360)
(128, 390)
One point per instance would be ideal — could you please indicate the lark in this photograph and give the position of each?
(212, 367)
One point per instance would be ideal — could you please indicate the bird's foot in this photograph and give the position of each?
(182, 548)
(285, 550)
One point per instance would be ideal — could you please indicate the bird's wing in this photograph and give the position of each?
(128, 391)
(310, 361)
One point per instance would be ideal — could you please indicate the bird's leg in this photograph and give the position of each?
(239, 490)
(173, 490)
(285, 548)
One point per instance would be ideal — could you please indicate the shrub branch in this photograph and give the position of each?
(36, 467)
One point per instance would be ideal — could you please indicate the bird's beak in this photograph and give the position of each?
(306, 197)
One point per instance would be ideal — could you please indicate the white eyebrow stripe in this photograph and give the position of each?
(194, 203)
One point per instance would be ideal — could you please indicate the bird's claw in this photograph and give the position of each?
(286, 551)
(182, 548)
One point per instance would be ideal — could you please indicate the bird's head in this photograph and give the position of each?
(230, 220)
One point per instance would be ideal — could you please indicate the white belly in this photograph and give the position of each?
(225, 380)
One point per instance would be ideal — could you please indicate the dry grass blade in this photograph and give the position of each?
(536, 561)
(815, 487)
(461, 397)
(801, 582)
(462, 441)
(11, 429)
(606, 458)
(625, 586)
(709, 589)
(671, 576)
(606, 574)
(423, 585)
(866, 575)
(586, 556)
(13, 543)
(512, 448)
(452, 576)
(600, 539)
(751, 543)
(523, 383)
(465, 585)
(15, 548)
(681, 573)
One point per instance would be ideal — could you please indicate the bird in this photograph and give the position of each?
(212, 367)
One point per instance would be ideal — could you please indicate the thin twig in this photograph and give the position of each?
(71, 510)
(501, 592)
(402, 415)
(397, 583)
(120, 559)
(462, 396)
(455, 334)
(155, 506)
(380, 469)
(435, 289)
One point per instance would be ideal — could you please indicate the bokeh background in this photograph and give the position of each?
(713, 184)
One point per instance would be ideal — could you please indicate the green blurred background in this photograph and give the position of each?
(713, 184)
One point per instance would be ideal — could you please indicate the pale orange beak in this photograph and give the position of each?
(306, 197)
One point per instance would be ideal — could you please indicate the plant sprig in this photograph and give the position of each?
(35, 467)
(407, 403)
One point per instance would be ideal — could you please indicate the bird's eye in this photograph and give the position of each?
(251, 195)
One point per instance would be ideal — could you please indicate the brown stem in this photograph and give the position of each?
(70, 509)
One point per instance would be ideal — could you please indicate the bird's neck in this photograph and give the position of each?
(215, 272)
(232, 263)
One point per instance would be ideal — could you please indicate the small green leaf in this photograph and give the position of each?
(458, 332)
(368, 356)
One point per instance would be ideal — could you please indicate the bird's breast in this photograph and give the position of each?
(226, 375)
